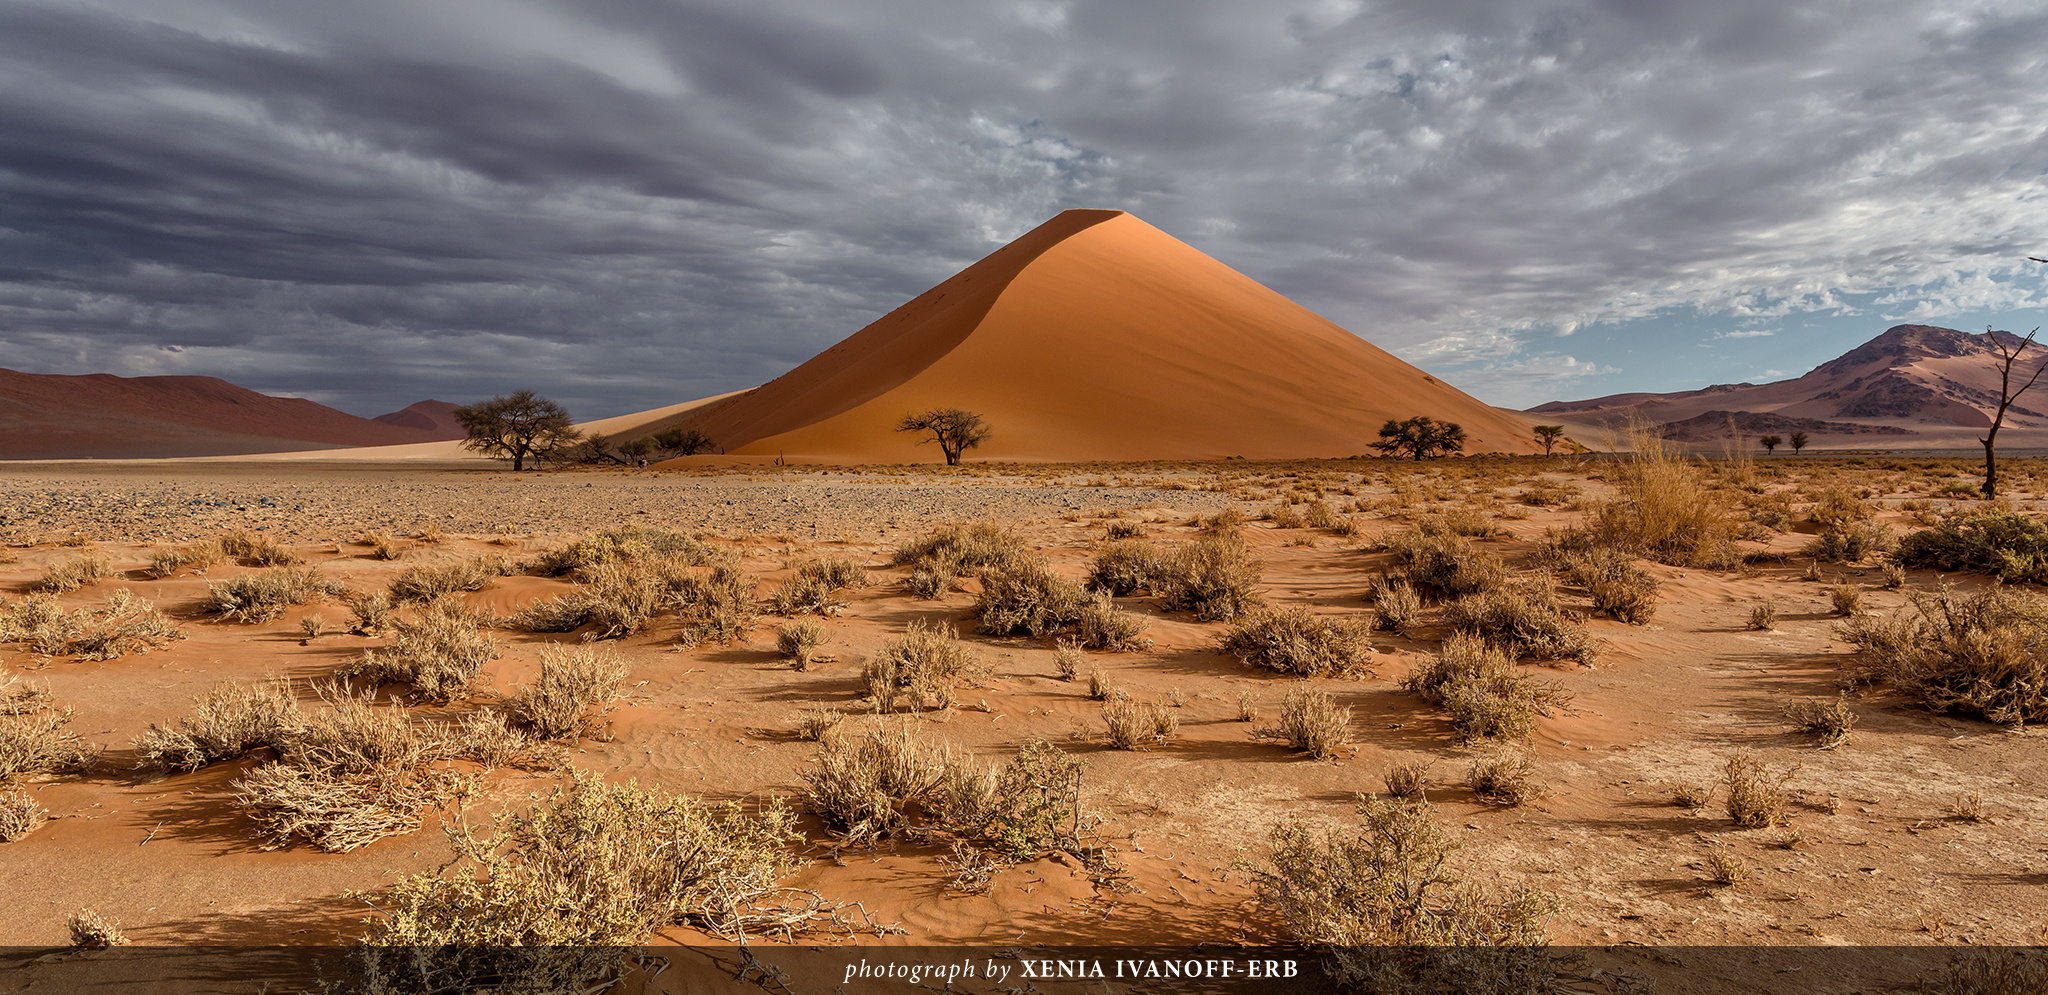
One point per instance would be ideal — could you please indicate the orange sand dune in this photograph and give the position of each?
(1098, 336)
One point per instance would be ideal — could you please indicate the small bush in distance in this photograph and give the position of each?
(1124, 567)
(1756, 793)
(122, 625)
(963, 548)
(1396, 607)
(1024, 596)
(256, 551)
(1298, 641)
(927, 662)
(1406, 781)
(198, 555)
(425, 582)
(1385, 904)
(1101, 625)
(572, 682)
(1312, 723)
(1132, 725)
(1828, 721)
(19, 815)
(1995, 541)
(1445, 564)
(1507, 778)
(1851, 543)
(628, 544)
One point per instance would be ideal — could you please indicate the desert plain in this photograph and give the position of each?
(1922, 828)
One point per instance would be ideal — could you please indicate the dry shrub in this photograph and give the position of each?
(1619, 589)
(82, 570)
(1125, 567)
(926, 663)
(835, 571)
(256, 551)
(37, 743)
(1838, 506)
(595, 865)
(627, 544)
(1665, 509)
(1385, 905)
(1523, 619)
(1507, 778)
(1298, 641)
(1407, 781)
(1726, 868)
(963, 549)
(124, 624)
(260, 597)
(1983, 655)
(2005, 544)
(1122, 530)
(349, 775)
(1101, 687)
(439, 653)
(430, 535)
(1894, 576)
(488, 737)
(1544, 492)
(1396, 607)
(572, 682)
(1828, 721)
(18, 697)
(1456, 522)
(931, 582)
(619, 597)
(814, 724)
(1763, 617)
(1851, 543)
(1756, 793)
(859, 785)
(1101, 625)
(1311, 722)
(1067, 660)
(198, 555)
(1024, 595)
(1483, 692)
(715, 607)
(425, 582)
(92, 931)
(799, 640)
(1847, 598)
(2004, 972)
(1247, 705)
(370, 613)
(231, 720)
(1444, 563)
(1317, 515)
(20, 815)
(1690, 796)
(382, 546)
(1214, 577)
(1132, 725)
(804, 596)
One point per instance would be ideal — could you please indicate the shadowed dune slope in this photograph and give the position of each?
(99, 416)
(1098, 336)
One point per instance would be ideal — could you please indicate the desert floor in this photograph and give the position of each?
(1874, 852)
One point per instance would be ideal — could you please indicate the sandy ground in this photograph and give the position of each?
(1884, 863)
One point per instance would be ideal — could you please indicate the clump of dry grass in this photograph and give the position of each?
(260, 597)
(1132, 725)
(382, 546)
(1665, 509)
(438, 653)
(627, 544)
(1485, 695)
(1828, 721)
(1847, 598)
(427, 581)
(1444, 563)
(1101, 625)
(1838, 506)
(1619, 589)
(488, 737)
(1522, 619)
(1024, 595)
(1067, 660)
(858, 785)
(2004, 543)
(18, 697)
(348, 776)
(197, 555)
(1726, 868)
(1407, 781)
(83, 570)
(20, 815)
(715, 607)
(1968, 808)
(1851, 543)
(1396, 607)
(805, 595)
(37, 743)
(1312, 723)
(124, 624)
(799, 640)
(231, 720)
(1385, 904)
(1983, 655)
(256, 551)
(1214, 577)
(1507, 778)
(1763, 616)
(1125, 567)
(1247, 705)
(814, 724)
(92, 931)
(1756, 793)
(1691, 796)
(925, 664)
(572, 681)
(1298, 641)
(370, 613)
(594, 865)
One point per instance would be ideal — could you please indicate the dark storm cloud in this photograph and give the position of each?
(625, 203)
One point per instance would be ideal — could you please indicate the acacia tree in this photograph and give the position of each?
(1799, 441)
(1421, 437)
(2008, 356)
(1549, 436)
(516, 426)
(1769, 442)
(955, 431)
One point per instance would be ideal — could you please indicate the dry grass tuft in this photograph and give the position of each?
(439, 653)
(1522, 619)
(1756, 793)
(93, 931)
(1407, 781)
(1828, 721)
(1763, 616)
(1312, 723)
(1298, 641)
(260, 597)
(198, 556)
(1507, 778)
(1067, 660)
(1619, 589)
(18, 697)
(1444, 563)
(1665, 509)
(256, 551)
(1847, 598)
(1983, 655)
(1483, 692)
(1726, 868)
(1102, 625)
(231, 720)
(799, 641)
(1125, 567)
(1214, 577)
(627, 544)
(1132, 725)
(1690, 796)
(425, 582)
(1395, 605)
(83, 570)
(572, 682)
(20, 815)
(926, 664)
(37, 743)
(814, 724)
(124, 624)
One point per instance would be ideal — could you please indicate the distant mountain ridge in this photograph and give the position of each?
(101, 416)
(1911, 380)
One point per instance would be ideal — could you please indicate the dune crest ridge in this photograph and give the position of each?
(1097, 336)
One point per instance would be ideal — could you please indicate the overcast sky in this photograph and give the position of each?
(628, 203)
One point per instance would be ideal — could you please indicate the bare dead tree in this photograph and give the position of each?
(2008, 357)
